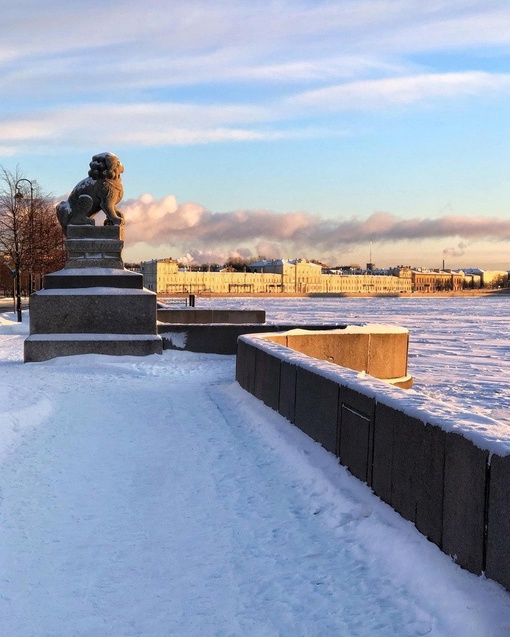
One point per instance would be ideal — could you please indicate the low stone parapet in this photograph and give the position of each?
(378, 350)
(192, 315)
(447, 473)
(218, 338)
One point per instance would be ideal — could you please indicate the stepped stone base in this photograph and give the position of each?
(93, 305)
(43, 347)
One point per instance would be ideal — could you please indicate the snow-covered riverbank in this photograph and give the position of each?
(152, 496)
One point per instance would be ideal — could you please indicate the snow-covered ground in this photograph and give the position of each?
(153, 497)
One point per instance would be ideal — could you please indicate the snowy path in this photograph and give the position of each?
(153, 497)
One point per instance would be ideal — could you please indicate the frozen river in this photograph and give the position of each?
(459, 347)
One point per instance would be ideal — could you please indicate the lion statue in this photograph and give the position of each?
(101, 190)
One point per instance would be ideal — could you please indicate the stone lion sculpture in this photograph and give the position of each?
(101, 190)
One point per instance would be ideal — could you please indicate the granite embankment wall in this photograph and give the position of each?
(433, 467)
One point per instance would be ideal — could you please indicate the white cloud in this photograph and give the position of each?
(450, 26)
(25, 130)
(148, 125)
(136, 124)
(402, 90)
(152, 74)
(77, 46)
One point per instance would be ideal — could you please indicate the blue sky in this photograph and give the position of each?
(283, 128)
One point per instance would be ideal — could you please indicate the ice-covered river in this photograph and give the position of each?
(459, 347)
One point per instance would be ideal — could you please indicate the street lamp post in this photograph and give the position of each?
(19, 195)
(16, 255)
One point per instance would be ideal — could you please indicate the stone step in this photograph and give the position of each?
(93, 277)
(42, 347)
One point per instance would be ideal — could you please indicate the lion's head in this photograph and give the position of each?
(105, 166)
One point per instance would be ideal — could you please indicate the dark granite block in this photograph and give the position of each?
(245, 366)
(240, 362)
(95, 232)
(363, 405)
(383, 451)
(429, 477)
(191, 315)
(464, 502)
(317, 407)
(498, 522)
(207, 338)
(355, 441)
(267, 378)
(90, 312)
(409, 468)
(408, 434)
(43, 347)
(93, 278)
(287, 399)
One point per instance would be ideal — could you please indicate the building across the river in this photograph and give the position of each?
(425, 280)
(299, 276)
(278, 276)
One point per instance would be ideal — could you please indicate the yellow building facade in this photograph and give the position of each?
(163, 276)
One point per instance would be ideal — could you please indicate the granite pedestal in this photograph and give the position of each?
(93, 305)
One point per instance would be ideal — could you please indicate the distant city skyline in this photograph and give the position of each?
(312, 129)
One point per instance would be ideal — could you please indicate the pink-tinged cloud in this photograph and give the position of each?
(165, 222)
